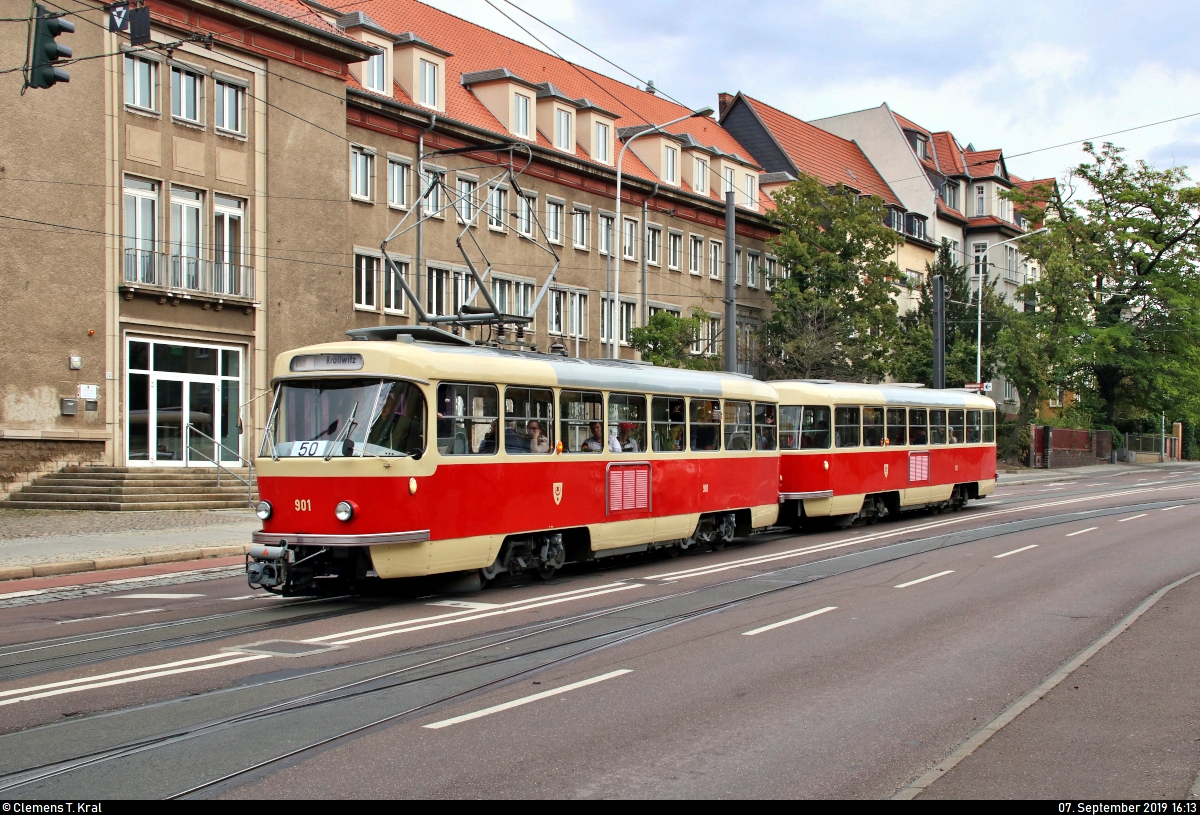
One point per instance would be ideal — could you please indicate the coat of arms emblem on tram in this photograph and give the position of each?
(557, 492)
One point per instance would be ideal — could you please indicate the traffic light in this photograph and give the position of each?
(43, 73)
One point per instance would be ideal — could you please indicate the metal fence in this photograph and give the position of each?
(1144, 443)
(188, 274)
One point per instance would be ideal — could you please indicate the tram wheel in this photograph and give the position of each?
(547, 573)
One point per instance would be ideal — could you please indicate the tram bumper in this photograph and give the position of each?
(266, 566)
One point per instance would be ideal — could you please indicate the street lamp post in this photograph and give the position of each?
(614, 314)
(979, 272)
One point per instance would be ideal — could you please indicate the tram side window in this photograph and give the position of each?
(872, 427)
(764, 426)
(669, 420)
(789, 427)
(814, 428)
(918, 430)
(582, 421)
(399, 424)
(957, 426)
(989, 427)
(896, 426)
(974, 428)
(706, 424)
(528, 420)
(468, 419)
(626, 423)
(736, 420)
(937, 427)
(846, 427)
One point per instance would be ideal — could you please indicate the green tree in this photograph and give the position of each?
(832, 311)
(667, 340)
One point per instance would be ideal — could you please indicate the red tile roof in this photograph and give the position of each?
(816, 152)
(982, 163)
(475, 48)
(949, 154)
(952, 214)
(932, 162)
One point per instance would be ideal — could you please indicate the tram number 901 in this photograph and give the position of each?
(304, 505)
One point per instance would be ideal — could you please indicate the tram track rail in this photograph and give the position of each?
(783, 577)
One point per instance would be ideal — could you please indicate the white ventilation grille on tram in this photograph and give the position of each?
(918, 468)
(628, 487)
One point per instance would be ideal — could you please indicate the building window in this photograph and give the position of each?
(139, 82)
(915, 225)
(375, 77)
(771, 271)
(605, 237)
(429, 84)
(141, 232)
(737, 266)
(670, 165)
(653, 242)
(752, 270)
(629, 239)
(601, 145)
(512, 296)
(397, 184)
(751, 191)
(980, 201)
(562, 129)
(554, 221)
(497, 205)
(708, 337)
(186, 92)
(695, 254)
(228, 243)
(701, 176)
(606, 314)
(950, 194)
(728, 181)
(674, 250)
(568, 313)
(393, 292)
(1010, 393)
(431, 190)
(228, 106)
(579, 228)
(920, 145)
(896, 220)
(361, 163)
(628, 312)
(715, 259)
(466, 200)
(521, 114)
(366, 270)
(186, 237)
(980, 259)
(525, 214)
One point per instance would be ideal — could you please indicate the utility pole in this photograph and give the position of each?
(939, 332)
(730, 294)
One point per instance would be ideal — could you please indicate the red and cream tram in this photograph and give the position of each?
(852, 451)
(416, 452)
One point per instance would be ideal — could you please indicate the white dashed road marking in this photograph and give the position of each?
(1014, 551)
(923, 579)
(788, 621)
(488, 711)
(1081, 531)
(1131, 518)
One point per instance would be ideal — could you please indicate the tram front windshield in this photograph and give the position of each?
(349, 417)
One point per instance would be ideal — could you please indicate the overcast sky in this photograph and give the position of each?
(1017, 76)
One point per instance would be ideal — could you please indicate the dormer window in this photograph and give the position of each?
(728, 180)
(700, 178)
(429, 84)
(562, 129)
(950, 194)
(920, 145)
(750, 191)
(670, 164)
(375, 76)
(601, 143)
(521, 104)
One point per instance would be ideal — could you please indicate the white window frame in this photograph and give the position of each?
(555, 215)
(497, 206)
(670, 164)
(750, 193)
(700, 178)
(627, 313)
(143, 88)
(398, 179)
(375, 73)
(562, 130)
(465, 203)
(695, 254)
(770, 270)
(752, 267)
(674, 250)
(979, 252)
(629, 231)
(362, 171)
(605, 229)
(513, 295)
(600, 145)
(229, 99)
(178, 96)
(737, 265)
(567, 312)
(580, 227)
(728, 179)
(428, 79)
(653, 245)
(716, 259)
(433, 203)
(366, 281)
(522, 105)
(394, 301)
(526, 205)
(980, 200)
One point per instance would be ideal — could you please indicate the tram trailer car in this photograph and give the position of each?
(863, 452)
(416, 452)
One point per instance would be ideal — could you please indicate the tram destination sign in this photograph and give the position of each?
(325, 362)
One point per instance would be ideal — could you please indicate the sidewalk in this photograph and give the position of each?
(36, 543)
(1029, 476)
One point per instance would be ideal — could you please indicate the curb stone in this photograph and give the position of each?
(104, 563)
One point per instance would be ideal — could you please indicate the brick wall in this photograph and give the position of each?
(22, 460)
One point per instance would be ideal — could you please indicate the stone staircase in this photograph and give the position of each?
(124, 489)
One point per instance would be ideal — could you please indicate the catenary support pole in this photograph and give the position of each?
(730, 293)
(939, 332)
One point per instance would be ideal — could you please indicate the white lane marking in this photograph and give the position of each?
(464, 604)
(109, 616)
(1093, 485)
(1131, 518)
(27, 593)
(923, 579)
(788, 621)
(1143, 479)
(479, 616)
(128, 679)
(524, 700)
(127, 672)
(453, 616)
(1081, 531)
(701, 571)
(156, 596)
(1164, 509)
(1014, 551)
(1050, 489)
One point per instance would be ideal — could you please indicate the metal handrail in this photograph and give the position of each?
(190, 428)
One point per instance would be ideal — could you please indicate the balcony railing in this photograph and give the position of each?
(180, 273)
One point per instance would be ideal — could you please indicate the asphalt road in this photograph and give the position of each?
(837, 663)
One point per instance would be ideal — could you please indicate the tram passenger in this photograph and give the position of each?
(488, 445)
(594, 444)
(626, 442)
(537, 442)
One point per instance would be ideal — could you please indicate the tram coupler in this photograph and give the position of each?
(267, 566)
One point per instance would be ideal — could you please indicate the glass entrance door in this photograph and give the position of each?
(183, 404)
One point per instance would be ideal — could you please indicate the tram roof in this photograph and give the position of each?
(853, 393)
(430, 361)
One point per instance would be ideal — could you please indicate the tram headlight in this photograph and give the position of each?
(263, 510)
(344, 511)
